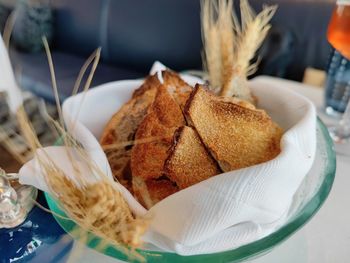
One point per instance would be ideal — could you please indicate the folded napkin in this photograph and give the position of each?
(7, 79)
(225, 211)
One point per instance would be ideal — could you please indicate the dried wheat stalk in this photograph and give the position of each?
(229, 46)
(211, 42)
(97, 205)
(254, 29)
(227, 38)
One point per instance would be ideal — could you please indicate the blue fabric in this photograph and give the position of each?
(38, 80)
(38, 239)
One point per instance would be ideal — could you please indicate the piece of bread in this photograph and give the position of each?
(189, 162)
(236, 136)
(149, 192)
(122, 128)
(157, 128)
(177, 88)
(154, 138)
(166, 155)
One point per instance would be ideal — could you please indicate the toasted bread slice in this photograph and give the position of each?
(178, 89)
(123, 125)
(235, 135)
(151, 191)
(122, 128)
(189, 162)
(164, 117)
(147, 159)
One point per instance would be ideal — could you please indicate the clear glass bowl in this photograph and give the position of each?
(308, 199)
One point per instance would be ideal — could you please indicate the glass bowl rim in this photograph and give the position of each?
(252, 249)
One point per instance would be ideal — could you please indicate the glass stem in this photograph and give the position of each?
(344, 124)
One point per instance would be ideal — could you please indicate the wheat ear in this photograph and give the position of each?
(227, 38)
(92, 200)
(254, 29)
(211, 43)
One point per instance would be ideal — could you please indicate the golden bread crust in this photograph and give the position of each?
(236, 136)
(189, 162)
(164, 117)
(147, 159)
(178, 88)
(182, 136)
(122, 128)
(149, 192)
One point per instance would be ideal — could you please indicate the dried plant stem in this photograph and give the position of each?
(227, 38)
(27, 130)
(12, 148)
(96, 58)
(211, 42)
(91, 199)
(230, 46)
(253, 31)
(53, 80)
(83, 70)
(97, 207)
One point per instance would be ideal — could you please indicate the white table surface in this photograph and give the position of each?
(326, 238)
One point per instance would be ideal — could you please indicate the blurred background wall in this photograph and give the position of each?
(133, 34)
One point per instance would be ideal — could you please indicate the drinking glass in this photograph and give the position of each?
(340, 133)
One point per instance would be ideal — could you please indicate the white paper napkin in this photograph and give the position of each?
(7, 79)
(225, 211)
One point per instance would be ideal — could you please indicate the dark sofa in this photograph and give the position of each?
(134, 33)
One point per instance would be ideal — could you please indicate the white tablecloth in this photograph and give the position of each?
(326, 238)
